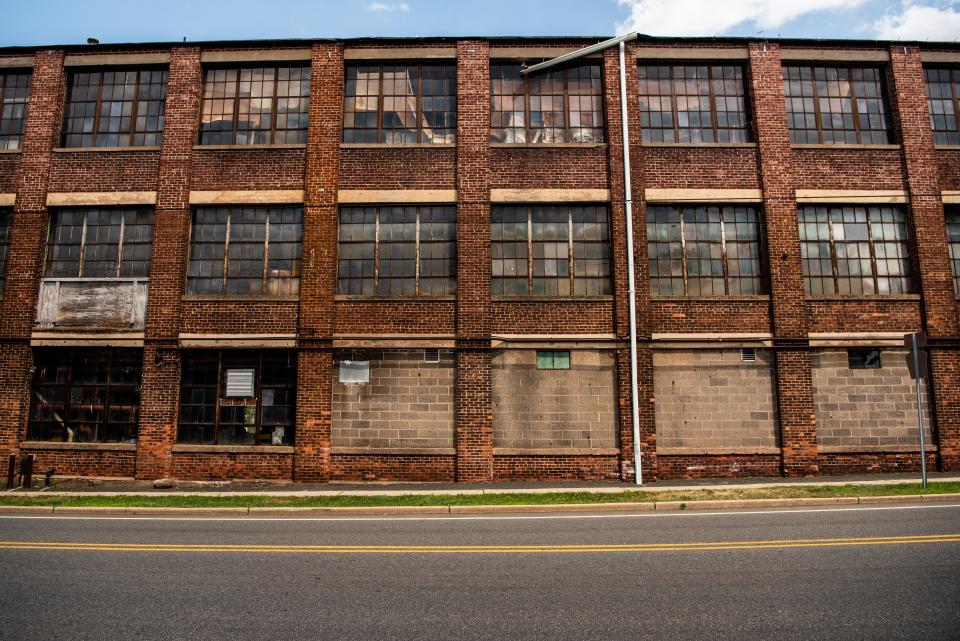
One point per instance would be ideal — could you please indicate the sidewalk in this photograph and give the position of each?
(127, 487)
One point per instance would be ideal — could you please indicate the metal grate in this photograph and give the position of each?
(748, 354)
(431, 355)
(240, 383)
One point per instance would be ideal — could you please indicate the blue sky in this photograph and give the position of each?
(45, 22)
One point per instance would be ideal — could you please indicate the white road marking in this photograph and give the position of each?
(480, 517)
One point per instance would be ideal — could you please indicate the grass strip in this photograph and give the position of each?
(544, 498)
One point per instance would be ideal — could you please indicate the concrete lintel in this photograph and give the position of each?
(856, 339)
(16, 62)
(555, 451)
(105, 59)
(797, 54)
(853, 196)
(256, 55)
(390, 196)
(549, 195)
(687, 53)
(260, 197)
(940, 56)
(65, 339)
(393, 451)
(7, 200)
(238, 340)
(532, 53)
(704, 195)
(232, 449)
(107, 198)
(400, 53)
(398, 342)
(951, 197)
(708, 336)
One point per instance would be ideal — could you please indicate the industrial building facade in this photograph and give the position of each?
(381, 259)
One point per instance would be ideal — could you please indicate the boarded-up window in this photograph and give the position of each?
(99, 243)
(238, 398)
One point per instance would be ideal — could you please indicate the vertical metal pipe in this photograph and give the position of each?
(631, 287)
(916, 368)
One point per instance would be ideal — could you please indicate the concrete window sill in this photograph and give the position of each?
(410, 145)
(348, 298)
(393, 451)
(9, 151)
(246, 147)
(865, 298)
(552, 299)
(547, 145)
(68, 150)
(556, 451)
(715, 451)
(702, 145)
(53, 445)
(947, 147)
(891, 147)
(232, 449)
(710, 299)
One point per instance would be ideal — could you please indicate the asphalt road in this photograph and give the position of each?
(884, 572)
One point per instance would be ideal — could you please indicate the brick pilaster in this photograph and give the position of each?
(160, 387)
(474, 411)
(318, 275)
(611, 78)
(794, 385)
(929, 243)
(28, 237)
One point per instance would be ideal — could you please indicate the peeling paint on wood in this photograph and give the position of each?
(101, 303)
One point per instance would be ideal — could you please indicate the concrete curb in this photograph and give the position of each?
(417, 510)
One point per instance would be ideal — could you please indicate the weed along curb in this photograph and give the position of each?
(437, 510)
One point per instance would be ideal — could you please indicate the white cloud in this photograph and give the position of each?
(919, 22)
(378, 7)
(702, 18)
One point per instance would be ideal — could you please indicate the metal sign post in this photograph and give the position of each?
(917, 342)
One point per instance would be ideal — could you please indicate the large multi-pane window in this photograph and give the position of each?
(943, 100)
(953, 237)
(693, 103)
(854, 250)
(99, 243)
(260, 105)
(5, 220)
(120, 108)
(14, 93)
(238, 398)
(85, 395)
(830, 105)
(550, 250)
(557, 106)
(400, 104)
(397, 251)
(245, 251)
(704, 250)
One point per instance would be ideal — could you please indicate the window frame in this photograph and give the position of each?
(884, 97)
(763, 288)
(861, 358)
(529, 130)
(84, 245)
(229, 359)
(952, 219)
(134, 107)
(4, 88)
(417, 257)
(954, 99)
(554, 359)
(123, 356)
(747, 129)
(909, 276)
(530, 241)
(6, 227)
(225, 261)
(419, 96)
(235, 97)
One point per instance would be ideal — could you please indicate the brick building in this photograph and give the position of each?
(402, 259)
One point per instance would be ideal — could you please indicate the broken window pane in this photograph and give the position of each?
(14, 94)
(99, 243)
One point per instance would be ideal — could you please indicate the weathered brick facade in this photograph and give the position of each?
(703, 412)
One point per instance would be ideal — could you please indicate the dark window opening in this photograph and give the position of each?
(14, 94)
(943, 101)
(99, 243)
(863, 358)
(122, 108)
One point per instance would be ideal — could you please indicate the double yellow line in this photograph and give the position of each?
(481, 549)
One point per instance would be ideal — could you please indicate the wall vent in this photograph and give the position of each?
(239, 383)
(748, 354)
(431, 355)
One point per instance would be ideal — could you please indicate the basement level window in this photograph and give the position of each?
(863, 358)
(553, 360)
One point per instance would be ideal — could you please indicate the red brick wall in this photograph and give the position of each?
(948, 161)
(701, 168)
(394, 317)
(553, 317)
(672, 466)
(407, 168)
(392, 467)
(239, 317)
(848, 169)
(548, 168)
(116, 463)
(683, 315)
(226, 466)
(556, 468)
(8, 172)
(247, 169)
(864, 315)
(104, 171)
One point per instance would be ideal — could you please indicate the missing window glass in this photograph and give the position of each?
(863, 358)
